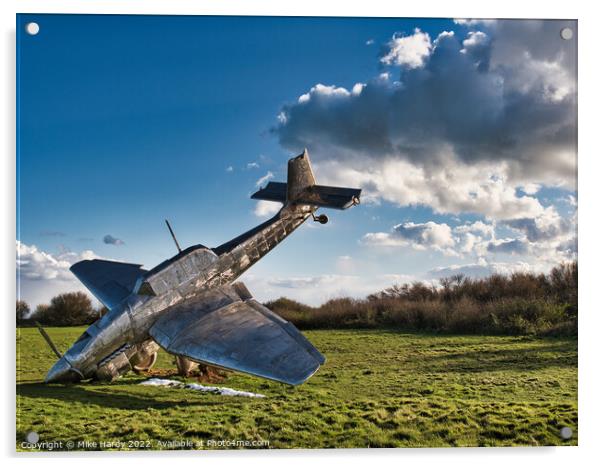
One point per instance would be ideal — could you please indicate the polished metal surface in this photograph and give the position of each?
(222, 329)
(191, 305)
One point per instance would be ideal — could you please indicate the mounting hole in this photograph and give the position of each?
(566, 33)
(32, 28)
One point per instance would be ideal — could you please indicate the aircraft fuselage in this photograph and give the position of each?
(113, 344)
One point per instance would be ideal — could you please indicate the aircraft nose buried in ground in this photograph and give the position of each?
(191, 306)
(62, 372)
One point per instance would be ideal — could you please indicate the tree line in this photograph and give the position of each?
(519, 303)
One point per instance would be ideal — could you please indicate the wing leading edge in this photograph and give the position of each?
(227, 328)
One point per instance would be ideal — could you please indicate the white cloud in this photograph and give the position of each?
(35, 264)
(478, 227)
(475, 39)
(473, 238)
(266, 208)
(508, 246)
(481, 269)
(268, 176)
(408, 51)
(229, 168)
(315, 290)
(545, 239)
(547, 226)
(485, 115)
(41, 275)
(469, 238)
(531, 188)
(321, 92)
(421, 236)
(451, 187)
(357, 88)
(252, 165)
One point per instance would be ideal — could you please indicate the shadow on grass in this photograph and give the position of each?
(100, 395)
(486, 360)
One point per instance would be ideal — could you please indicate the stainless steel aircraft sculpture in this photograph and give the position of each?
(191, 306)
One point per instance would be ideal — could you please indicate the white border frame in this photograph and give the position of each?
(589, 214)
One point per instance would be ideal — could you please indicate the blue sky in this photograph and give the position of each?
(126, 120)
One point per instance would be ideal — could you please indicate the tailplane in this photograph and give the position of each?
(301, 188)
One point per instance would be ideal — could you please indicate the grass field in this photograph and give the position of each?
(377, 389)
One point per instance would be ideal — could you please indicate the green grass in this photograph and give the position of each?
(377, 389)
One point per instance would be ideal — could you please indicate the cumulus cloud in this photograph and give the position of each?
(508, 246)
(531, 188)
(408, 51)
(109, 239)
(252, 165)
(550, 225)
(449, 188)
(418, 235)
(548, 238)
(229, 168)
(468, 238)
(34, 264)
(42, 275)
(477, 45)
(474, 39)
(475, 124)
(466, 124)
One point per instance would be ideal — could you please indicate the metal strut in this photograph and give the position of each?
(173, 236)
(48, 340)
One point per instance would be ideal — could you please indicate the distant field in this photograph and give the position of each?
(377, 389)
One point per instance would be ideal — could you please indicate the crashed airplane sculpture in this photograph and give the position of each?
(191, 306)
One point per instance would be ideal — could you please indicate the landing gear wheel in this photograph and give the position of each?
(146, 364)
(323, 219)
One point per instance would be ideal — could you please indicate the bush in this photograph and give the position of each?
(67, 309)
(521, 303)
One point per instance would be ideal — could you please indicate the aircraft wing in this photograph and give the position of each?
(109, 281)
(227, 328)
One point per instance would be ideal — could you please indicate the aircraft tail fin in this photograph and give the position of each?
(300, 177)
(301, 188)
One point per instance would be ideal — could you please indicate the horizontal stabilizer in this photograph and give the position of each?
(274, 191)
(330, 196)
(320, 196)
(110, 282)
